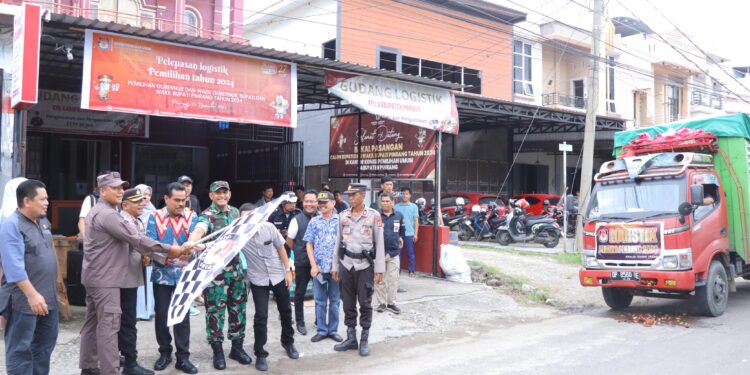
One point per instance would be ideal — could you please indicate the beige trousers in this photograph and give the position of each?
(386, 290)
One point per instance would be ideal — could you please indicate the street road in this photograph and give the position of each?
(594, 342)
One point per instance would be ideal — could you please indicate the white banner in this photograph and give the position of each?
(409, 103)
(60, 112)
(210, 262)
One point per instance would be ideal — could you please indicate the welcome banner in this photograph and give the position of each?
(372, 146)
(135, 75)
(409, 103)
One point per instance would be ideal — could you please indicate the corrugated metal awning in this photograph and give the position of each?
(64, 20)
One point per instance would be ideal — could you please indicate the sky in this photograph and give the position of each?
(715, 25)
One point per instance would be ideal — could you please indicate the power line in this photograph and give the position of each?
(686, 58)
(698, 47)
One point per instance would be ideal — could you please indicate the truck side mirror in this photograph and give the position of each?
(696, 195)
(685, 209)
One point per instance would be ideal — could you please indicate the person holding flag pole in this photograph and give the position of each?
(228, 291)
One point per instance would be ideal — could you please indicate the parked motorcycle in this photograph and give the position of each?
(481, 224)
(520, 228)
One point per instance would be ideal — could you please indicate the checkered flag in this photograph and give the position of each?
(209, 263)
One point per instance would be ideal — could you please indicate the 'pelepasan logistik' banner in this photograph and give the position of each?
(375, 146)
(427, 107)
(135, 75)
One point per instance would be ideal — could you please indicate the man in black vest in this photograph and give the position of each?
(295, 234)
(282, 217)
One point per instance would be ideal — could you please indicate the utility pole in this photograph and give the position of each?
(592, 107)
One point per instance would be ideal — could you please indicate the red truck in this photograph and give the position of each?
(669, 217)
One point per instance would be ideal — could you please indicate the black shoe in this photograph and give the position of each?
(291, 351)
(349, 343)
(301, 328)
(163, 361)
(336, 337)
(317, 337)
(393, 308)
(136, 369)
(90, 371)
(219, 362)
(400, 290)
(364, 348)
(381, 307)
(238, 354)
(261, 364)
(186, 366)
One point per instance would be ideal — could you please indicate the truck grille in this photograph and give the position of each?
(627, 265)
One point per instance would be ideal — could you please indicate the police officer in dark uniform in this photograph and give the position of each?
(359, 265)
(282, 217)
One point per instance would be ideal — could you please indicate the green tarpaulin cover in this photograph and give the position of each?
(736, 125)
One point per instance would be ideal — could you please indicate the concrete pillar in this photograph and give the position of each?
(236, 15)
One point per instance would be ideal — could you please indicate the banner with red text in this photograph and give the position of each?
(60, 112)
(427, 107)
(27, 35)
(375, 146)
(135, 75)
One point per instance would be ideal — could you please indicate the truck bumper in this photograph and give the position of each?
(662, 280)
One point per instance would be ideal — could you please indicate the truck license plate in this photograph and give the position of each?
(626, 276)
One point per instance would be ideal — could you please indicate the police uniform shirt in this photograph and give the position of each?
(359, 233)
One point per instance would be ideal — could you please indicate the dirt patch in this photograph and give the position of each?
(658, 319)
(558, 279)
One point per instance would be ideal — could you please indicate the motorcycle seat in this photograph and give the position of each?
(539, 220)
(535, 217)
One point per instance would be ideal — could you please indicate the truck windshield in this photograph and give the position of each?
(634, 200)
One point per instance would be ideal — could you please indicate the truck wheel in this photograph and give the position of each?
(554, 239)
(503, 238)
(712, 297)
(617, 298)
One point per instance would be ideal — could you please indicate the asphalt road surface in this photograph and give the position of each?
(594, 342)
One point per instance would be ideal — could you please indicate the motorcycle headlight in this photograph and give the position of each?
(467, 222)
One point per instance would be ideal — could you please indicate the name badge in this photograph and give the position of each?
(396, 226)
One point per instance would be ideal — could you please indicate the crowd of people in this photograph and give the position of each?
(134, 256)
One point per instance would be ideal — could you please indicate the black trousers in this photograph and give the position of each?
(301, 279)
(357, 286)
(260, 321)
(128, 334)
(162, 297)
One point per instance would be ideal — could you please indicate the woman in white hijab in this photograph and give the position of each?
(145, 293)
(10, 205)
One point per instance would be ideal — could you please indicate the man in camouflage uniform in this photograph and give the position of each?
(229, 290)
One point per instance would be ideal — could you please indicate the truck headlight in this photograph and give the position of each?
(589, 261)
(670, 261)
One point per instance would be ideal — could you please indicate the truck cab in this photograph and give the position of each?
(657, 225)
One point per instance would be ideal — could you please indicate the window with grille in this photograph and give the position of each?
(391, 59)
(522, 76)
(191, 23)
